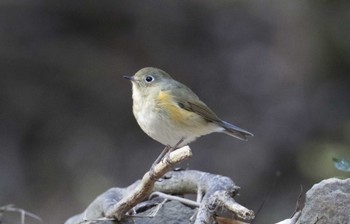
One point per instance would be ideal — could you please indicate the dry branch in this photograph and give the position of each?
(215, 195)
(144, 189)
(22, 212)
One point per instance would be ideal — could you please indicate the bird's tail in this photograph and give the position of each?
(235, 131)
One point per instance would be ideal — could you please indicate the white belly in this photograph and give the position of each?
(161, 128)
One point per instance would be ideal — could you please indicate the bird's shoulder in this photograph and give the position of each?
(186, 99)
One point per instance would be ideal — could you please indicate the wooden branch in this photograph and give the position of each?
(222, 202)
(326, 202)
(145, 187)
(214, 197)
(218, 194)
(22, 212)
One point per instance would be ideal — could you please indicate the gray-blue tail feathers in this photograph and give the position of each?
(235, 131)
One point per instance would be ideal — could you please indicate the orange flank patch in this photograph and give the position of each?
(165, 103)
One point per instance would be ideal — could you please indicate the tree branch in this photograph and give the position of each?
(215, 194)
(144, 189)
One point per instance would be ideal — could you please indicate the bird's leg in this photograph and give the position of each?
(166, 151)
(176, 145)
(161, 155)
(172, 149)
(159, 158)
(164, 154)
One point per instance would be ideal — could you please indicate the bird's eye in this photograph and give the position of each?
(149, 78)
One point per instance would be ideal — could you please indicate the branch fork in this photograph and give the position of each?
(214, 195)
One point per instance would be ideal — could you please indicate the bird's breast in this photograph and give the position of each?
(164, 120)
(168, 107)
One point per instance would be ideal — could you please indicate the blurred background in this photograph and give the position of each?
(67, 133)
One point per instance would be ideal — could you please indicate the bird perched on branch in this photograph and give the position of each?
(170, 113)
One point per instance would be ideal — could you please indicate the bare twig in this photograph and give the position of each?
(218, 194)
(24, 213)
(145, 187)
(175, 198)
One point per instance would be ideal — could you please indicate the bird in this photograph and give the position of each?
(171, 113)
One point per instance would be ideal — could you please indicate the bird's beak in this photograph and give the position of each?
(131, 78)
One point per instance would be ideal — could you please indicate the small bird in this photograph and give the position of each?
(170, 113)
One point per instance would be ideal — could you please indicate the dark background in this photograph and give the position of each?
(279, 69)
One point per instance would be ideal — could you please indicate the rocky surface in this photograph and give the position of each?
(327, 202)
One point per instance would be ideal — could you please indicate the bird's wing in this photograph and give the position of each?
(189, 101)
(201, 109)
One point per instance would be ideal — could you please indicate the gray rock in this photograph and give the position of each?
(327, 202)
(172, 212)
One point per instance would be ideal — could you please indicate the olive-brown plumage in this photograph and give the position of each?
(168, 111)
